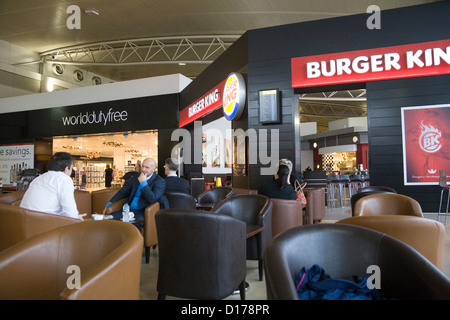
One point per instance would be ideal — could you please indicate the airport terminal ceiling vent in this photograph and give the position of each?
(147, 51)
(323, 107)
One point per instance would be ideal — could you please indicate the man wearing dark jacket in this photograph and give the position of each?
(173, 182)
(142, 189)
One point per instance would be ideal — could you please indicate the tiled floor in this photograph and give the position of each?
(257, 289)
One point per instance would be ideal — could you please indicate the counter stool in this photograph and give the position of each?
(444, 186)
(333, 195)
(355, 184)
(344, 189)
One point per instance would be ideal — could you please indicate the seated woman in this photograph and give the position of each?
(280, 187)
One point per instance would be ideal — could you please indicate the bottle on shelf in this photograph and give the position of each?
(11, 175)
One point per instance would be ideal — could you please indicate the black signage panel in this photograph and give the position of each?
(157, 112)
(269, 106)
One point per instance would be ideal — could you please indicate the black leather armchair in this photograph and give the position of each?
(344, 251)
(213, 196)
(201, 254)
(253, 210)
(179, 200)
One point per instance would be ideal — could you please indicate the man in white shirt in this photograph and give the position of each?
(53, 191)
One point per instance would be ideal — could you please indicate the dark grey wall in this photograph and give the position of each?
(271, 49)
(273, 75)
(384, 102)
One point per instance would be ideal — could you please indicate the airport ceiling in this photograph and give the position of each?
(144, 38)
(133, 39)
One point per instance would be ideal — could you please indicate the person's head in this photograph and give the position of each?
(170, 166)
(148, 166)
(108, 166)
(285, 162)
(283, 175)
(61, 161)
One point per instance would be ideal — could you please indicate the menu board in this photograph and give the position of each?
(269, 107)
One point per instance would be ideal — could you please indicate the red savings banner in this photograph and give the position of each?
(426, 143)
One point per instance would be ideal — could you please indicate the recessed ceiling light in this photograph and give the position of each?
(181, 63)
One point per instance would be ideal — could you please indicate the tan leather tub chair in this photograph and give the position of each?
(108, 254)
(425, 235)
(286, 214)
(315, 206)
(387, 204)
(83, 200)
(18, 224)
(101, 197)
(149, 230)
(12, 198)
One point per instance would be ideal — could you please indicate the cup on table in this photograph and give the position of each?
(127, 217)
(96, 216)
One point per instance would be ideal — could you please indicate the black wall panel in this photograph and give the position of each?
(384, 102)
(271, 49)
(273, 74)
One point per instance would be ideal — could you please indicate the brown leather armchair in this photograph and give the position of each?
(108, 254)
(18, 224)
(101, 197)
(387, 204)
(179, 200)
(213, 196)
(344, 251)
(286, 214)
(83, 200)
(12, 198)
(149, 230)
(254, 210)
(315, 205)
(201, 254)
(363, 192)
(425, 235)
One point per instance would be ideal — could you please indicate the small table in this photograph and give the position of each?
(135, 222)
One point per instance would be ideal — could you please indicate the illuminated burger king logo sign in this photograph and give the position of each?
(234, 96)
(429, 139)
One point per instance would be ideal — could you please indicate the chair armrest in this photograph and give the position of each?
(150, 235)
(115, 206)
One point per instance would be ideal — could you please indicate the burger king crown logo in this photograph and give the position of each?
(233, 97)
(429, 140)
